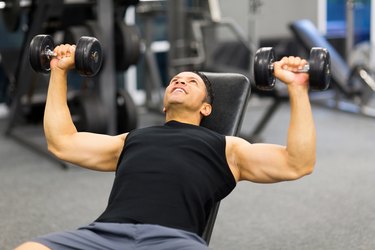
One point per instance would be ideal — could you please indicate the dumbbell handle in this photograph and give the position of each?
(305, 68)
(49, 53)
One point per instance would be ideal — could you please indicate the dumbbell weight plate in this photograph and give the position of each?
(263, 75)
(127, 45)
(320, 69)
(33, 102)
(88, 113)
(38, 60)
(88, 56)
(11, 15)
(127, 118)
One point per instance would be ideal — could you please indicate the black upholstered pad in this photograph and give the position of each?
(231, 92)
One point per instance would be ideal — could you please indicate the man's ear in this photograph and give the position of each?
(206, 109)
(164, 109)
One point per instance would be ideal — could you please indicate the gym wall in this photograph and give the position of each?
(273, 16)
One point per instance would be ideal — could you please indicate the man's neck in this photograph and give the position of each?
(184, 117)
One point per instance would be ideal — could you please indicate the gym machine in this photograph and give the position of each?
(47, 17)
(353, 87)
(147, 12)
(217, 44)
(183, 51)
(202, 44)
(38, 15)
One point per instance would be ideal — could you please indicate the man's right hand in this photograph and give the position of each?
(65, 57)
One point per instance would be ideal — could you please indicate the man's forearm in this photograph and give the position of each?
(57, 118)
(301, 145)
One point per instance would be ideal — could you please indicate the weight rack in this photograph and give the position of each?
(41, 12)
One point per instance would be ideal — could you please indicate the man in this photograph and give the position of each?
(168, 177)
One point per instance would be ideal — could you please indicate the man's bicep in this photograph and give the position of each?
(262, 163)
(93, 151)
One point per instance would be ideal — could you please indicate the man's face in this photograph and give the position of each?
(186, 88)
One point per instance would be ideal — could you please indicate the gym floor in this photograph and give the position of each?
(333, 208)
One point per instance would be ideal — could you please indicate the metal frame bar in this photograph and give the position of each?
(107, 80)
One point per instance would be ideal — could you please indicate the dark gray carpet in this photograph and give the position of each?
(331, 209)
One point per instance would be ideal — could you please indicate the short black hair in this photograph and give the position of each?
(210, 91)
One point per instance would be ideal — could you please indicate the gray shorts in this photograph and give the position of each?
(123, 236)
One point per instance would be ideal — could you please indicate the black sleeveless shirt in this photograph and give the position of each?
(171, 176)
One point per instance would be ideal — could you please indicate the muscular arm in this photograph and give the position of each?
(93, 151)
(268, 163)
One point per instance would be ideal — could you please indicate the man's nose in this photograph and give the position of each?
(181, 81)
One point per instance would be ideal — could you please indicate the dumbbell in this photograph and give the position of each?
(88, 54)
(318, 68)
